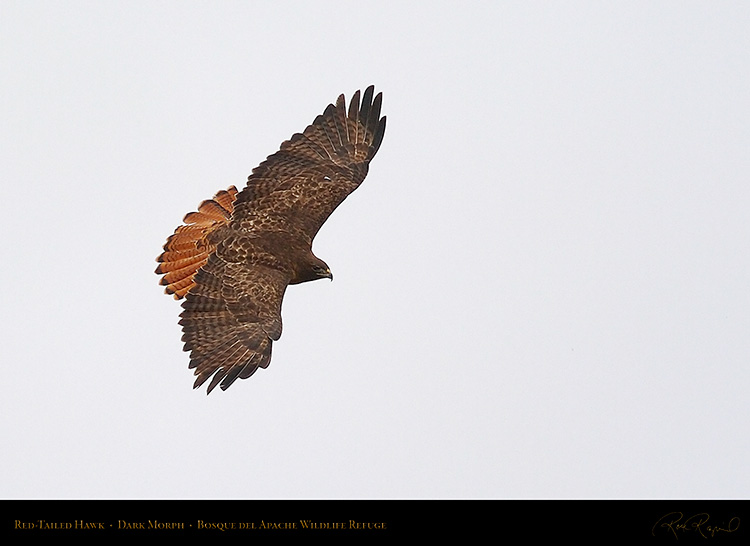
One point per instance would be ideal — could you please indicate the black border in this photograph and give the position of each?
(664, 521)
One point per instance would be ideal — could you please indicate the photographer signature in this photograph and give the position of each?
(697, 523)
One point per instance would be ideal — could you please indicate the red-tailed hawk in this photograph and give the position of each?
(233, 259)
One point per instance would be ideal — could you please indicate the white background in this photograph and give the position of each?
(541, 289)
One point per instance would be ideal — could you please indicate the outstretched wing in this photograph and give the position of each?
(297, 188)
(188, 249)
(230, 319)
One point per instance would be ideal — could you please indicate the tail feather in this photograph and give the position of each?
(188, 248)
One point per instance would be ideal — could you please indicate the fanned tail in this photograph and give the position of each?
(188, 249)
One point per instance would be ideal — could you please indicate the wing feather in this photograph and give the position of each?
(354, 116)
(230, 319)
(314, 171)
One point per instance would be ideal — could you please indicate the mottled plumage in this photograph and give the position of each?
(233, 259)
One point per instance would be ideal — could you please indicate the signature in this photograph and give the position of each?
(675, 522)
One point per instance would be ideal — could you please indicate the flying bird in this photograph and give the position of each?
(232, 259)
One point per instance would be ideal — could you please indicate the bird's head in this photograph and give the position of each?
(312, 269)
(322, 271)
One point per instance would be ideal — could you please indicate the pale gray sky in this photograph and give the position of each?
(541, 289)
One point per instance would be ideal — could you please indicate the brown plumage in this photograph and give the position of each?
(233, 259)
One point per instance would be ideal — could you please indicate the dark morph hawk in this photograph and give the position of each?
(233, 259)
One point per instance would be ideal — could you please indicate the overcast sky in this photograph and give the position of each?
(541, 289)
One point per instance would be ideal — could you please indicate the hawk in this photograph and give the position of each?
(233, 258)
